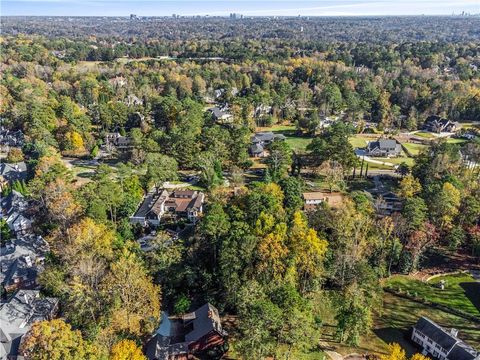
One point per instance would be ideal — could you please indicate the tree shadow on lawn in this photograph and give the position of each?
(86, 175)
(399, 336)
(472, 292)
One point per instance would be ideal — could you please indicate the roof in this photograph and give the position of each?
(19, 313)
(436, 333)
(387, 143)
(262, 137)
(19, 258)
(462, 351)
(206, 319)
(13, 171)
(180, 200)
(174, 335)
(256, 149)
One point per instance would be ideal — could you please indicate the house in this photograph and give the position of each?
(17, 317)
(14, 211)
(220, 115)
(257, 150)
(437, 124)
(115, 141)
(313, 199)
(160, 203)
(192, 334)
(260, 140)
(388, 203)
(384, 148)
(441, 343)
(132, 100)
(21, 261)
(10, 138)
(13, 171)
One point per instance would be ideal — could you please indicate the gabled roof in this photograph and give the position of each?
(19, 313)
(462, 351)
(13, 170)
(436, 333)
(263, 136)
(256, 148)
(205, 319)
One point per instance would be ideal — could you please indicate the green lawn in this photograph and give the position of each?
(296, 142)
(358, 142)
(456, 141)
(424, 134)
(461, 291)
(414, 149)
(397, 161)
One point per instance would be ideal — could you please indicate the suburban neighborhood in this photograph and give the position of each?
(240, 187)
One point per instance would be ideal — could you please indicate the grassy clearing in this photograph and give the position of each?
(461, 291)
(415, 149)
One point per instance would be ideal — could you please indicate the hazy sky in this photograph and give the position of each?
(246, 7)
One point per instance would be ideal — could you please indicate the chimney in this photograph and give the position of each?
(25, 297)
(454, 332)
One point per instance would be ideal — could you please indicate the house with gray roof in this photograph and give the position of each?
(14, 209)
(191, 334)
(17, 317)
(13, 171)
(221, 115)
(9, 138)
(261, 140)
(441, 343)
(384, 148)
(159, 203)
(21, 261)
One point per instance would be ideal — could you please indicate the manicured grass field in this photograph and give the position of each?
(424, 134)
(296, 142)
(456, 141)
(414, 149)
(461, 291)
(358, 142)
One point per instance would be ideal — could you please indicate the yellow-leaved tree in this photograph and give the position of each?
(395, 352)
(55, 340)
(409, 186)
(126, 350)
(134, 299)
(307, 249)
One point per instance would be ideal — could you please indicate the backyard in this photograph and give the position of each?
(461, 291)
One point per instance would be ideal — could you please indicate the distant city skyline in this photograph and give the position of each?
(245, 7)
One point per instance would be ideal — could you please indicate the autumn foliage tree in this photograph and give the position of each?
(126, 350)
(55, 340)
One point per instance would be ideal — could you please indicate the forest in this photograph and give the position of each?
(285, 280)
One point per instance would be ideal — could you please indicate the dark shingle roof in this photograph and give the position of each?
(436, 333)
(462, 351)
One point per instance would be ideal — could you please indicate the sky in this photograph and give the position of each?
(245, 7)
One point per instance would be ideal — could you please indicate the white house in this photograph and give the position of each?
(441, 343)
